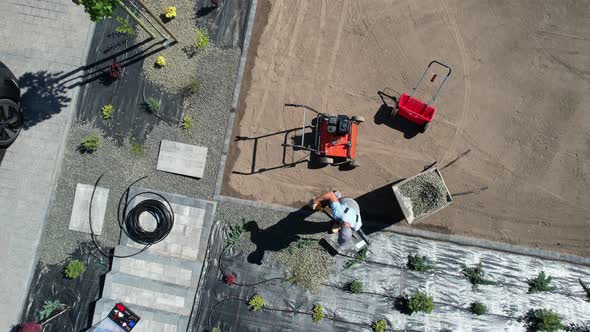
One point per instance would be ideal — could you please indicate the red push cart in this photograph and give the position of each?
(414, 109)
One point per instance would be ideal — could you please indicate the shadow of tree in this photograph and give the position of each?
(280, 235)
(44, 96)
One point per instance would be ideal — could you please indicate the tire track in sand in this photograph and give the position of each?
(333, 56)
(466, 78)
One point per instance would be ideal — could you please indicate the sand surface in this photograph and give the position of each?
(517, 98)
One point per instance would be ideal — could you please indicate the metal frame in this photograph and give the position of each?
(441, 84)
(317, 135)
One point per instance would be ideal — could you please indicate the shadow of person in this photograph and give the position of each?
(379, 209)
(282, 234)
(44, 97)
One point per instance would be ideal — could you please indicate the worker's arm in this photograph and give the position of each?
(328, 196)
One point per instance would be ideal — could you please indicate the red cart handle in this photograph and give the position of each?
(441, 84)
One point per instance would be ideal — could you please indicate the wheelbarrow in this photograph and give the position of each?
(413, 109)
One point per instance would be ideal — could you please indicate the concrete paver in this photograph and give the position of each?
(41, 40)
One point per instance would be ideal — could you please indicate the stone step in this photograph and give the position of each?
(152, 320)
(133, 290)
(166, 269)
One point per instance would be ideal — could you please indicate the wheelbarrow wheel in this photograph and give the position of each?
(325, 161)
(359, 119)
(394, 111)
(354, 163)
(425, 126)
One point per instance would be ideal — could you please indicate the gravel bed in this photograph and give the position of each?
(209, 111)
(310, 266)
(175, 77)
(426, 192)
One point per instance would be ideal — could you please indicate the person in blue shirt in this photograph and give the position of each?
(345, 210)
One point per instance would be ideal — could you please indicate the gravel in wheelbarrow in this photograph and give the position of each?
(427, 192)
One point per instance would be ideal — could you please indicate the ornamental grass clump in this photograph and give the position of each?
(420, 302)
(152, 105)
(478, 308)
(318, 313)
(160, 61)
(541, 283)
(90, 143)
(201, 38)
(358, 258)
(107, 111)
(74, 269)
(124, 26)
(418, 263)
(136, 149)
(256, 303)
(355, 287)
(235, 231)
(170, 12)
(475, 275)
(186, 123)
(544, 320)
(379, 326)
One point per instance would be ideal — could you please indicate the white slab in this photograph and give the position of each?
(184, 159)
(79, 217)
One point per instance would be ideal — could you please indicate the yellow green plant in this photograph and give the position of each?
(186, 123)
(160, 61)
(379, 326)
(107, 111)
(256, 303)
(74, 269)
(318, 313)
(170, 12)
(202, 38)
(124, 26)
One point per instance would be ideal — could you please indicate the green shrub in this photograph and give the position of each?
(418, 263)
(544, 320)
(586, 289)
(420, 302)
(90, 143)
(107, 111)
(98, 9)
(256, 303)
(48, 308)
(301, 244)
(186, 123)
(478, 308)
(475, 275)
(136, 149)
(358, 258)
(318, 313)
(235, 231)
(379, 326)
(74, 269)
(355, 287)
(202, 38)
(194, 87)
(124, 26)
(152, 105)
(540, 284)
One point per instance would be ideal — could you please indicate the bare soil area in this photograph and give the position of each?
(517, 98)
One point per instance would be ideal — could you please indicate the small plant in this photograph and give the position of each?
(318, 313)
(586, 289)
(256, 303)
(90, 143)
(74, 269)
(160, 61)
(301, 244)
(420, 302)
(186, 123)
(194, 87)
(216, 328)
(136, 149)
(475, 275)
(540, 284)
(48, 308)
(152, 105)
(201, 39)
(379, 326)
(116, 70)
(229, 279)
(478, 308)
(355, 287)
(107, 111)
(170, 12)
(124, 26)
(359, 257)
(544, 320)
(235, 231)
(418, 263)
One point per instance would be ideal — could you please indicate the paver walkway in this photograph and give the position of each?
(41, 41)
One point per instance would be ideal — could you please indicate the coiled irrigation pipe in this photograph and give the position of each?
(129, 223)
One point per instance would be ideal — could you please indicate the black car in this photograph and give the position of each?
(11, 117)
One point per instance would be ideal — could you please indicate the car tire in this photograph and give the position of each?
(11, 122)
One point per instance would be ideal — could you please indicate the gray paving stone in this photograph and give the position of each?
(184, 159)
(33, 161)
(79, 217)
